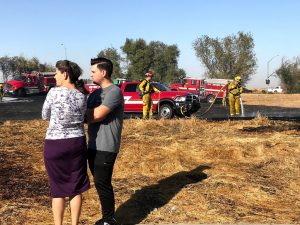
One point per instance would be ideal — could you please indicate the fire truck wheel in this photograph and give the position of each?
(165, 112)
(21, 92)
(210, 98)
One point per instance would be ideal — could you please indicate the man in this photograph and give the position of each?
(146, 88)
(105, 120)
(235, 90)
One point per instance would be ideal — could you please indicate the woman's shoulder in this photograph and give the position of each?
(76, 94)
(55, 89)
(66, 90)
(52, 91)
(61, 91)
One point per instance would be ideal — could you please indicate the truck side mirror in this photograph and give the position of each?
(267, 81)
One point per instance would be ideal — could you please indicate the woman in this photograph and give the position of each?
(65, 145)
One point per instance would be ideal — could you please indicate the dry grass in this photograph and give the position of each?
(169, 171)
(282, 100)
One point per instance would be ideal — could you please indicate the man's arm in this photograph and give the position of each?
(97, 114)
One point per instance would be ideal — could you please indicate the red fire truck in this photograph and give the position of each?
(30, 83)
(207, 89)
(166, 104)
(90, 86)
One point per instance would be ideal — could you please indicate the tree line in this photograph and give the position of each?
(14, 66)
(141, 57)
(221, 57)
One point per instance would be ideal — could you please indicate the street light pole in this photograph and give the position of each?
(65, 50)
(268, 65)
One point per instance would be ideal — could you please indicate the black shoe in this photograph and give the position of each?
(110, 222)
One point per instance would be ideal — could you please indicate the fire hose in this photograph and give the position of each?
(223, 101)
(183, 109)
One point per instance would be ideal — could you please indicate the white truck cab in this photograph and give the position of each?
(275, 90)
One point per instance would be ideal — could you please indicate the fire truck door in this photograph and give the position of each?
(132, 100)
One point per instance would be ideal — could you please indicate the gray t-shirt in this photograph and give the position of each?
(106, 135)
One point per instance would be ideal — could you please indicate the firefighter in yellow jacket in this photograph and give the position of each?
(235, 90)
(146, 88)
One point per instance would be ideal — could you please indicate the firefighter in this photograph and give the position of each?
(1, 92)
(146, 89)
(235, 89)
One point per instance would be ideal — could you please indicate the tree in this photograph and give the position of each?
(138, 58)
(5, 67)
(14, 66)
(155, 56)
(21, 64)
(45, 67)
(33, 64)
(114, 56)
(289, 75)
(227, 57)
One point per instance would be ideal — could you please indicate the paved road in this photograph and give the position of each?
(25, 108)
(30, 107)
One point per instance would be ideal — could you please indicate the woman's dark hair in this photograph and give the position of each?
(103, 64)
(74, 72)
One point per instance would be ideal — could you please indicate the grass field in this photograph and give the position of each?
(169, 171)
(282, 100)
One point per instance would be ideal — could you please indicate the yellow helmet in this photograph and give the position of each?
(237, 78)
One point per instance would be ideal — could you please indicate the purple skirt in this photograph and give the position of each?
(66, 165)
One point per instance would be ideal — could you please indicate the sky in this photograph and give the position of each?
(53, 30)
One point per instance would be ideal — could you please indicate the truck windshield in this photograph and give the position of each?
(161, 87)
(19, 78)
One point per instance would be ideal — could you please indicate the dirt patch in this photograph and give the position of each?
(168, 171)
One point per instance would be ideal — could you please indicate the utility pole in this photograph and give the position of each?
(65, 51)
(268, 75)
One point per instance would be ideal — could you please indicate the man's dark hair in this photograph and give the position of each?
(103, 64)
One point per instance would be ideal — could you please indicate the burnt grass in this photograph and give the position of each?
(168, 171)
